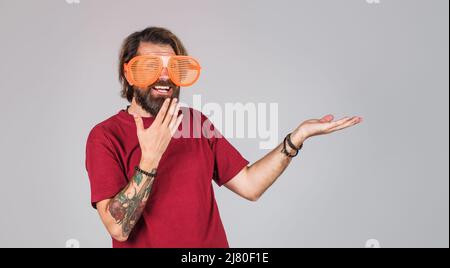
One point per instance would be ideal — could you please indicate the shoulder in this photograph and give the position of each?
(103, 129)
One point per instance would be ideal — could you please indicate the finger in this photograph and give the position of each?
(355, 120)
(327, 118)
(175, 116)
(170, 112)
(339, 122)
(139, 122)
(347, 124)
(162, 112)
(176, 125)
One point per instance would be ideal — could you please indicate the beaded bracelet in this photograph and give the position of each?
(148, 174)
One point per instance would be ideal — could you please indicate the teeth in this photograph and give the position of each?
(162, 87)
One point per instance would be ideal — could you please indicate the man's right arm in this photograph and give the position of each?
(121, 213)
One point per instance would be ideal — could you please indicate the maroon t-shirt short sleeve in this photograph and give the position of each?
(106, 174)
(181, 210)
(227, 160)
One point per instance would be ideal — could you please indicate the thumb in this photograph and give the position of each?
(139, 122)
(327, 118)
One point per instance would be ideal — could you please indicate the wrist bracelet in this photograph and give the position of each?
(288, 139)
(291, 145)
(148, 174)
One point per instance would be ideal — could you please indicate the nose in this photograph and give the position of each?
(164, 74)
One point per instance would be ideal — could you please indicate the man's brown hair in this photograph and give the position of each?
(130, 46)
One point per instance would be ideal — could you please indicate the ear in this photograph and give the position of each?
(127, 76)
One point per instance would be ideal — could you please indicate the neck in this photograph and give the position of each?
(136, 109)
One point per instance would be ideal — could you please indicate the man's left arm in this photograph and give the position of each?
(252, 181)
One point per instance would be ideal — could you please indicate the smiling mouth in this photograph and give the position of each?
(162, 90)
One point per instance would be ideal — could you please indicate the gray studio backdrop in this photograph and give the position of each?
(386, 179)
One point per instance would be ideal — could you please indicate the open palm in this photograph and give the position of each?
(325, 125)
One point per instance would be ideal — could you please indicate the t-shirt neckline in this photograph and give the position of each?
(125, 116)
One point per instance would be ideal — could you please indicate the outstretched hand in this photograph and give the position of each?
(325, 125)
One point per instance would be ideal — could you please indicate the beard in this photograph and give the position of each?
(151, 101)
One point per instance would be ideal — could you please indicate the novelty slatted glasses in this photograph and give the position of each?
(143, 71)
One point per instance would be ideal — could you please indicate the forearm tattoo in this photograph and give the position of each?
(127, 206)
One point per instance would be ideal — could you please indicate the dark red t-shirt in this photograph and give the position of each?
(181, 211)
